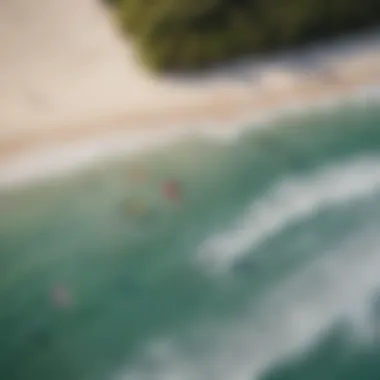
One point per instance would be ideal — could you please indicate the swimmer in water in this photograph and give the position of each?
(171, 190)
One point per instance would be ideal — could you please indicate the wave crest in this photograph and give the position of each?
(289, 202)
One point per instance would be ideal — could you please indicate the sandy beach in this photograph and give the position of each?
(68, 79)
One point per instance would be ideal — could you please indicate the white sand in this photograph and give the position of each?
(63, 63)
(67, 76)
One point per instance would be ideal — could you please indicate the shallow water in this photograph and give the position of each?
(267, 268)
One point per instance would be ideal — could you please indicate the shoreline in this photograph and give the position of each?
(73, 156)
(220, 104)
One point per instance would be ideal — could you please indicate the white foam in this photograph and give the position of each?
(47, 163)
(290, 201)
(50, 162)
(293, 316)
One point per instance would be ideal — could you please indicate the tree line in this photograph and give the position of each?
(188, 34)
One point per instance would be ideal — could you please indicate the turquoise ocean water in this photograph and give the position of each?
(268, 268)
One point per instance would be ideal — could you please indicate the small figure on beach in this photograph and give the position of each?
(60, 297)
(171, 190)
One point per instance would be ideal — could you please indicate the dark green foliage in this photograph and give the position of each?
(186, 34)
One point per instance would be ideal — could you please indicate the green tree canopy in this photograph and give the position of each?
(185, 34)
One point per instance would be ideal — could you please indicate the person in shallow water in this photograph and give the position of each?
(171, 190)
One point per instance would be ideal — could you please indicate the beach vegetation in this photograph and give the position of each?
(188, 34)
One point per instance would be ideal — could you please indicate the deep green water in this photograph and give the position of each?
(268, 269)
